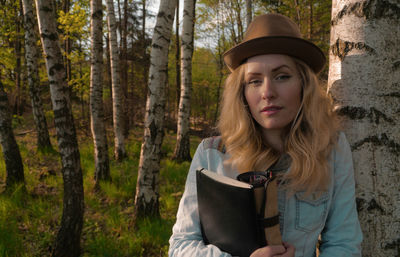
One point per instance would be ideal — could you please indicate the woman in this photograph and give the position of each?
(273, 106)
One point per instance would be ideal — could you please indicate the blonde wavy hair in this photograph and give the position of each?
(308, 140)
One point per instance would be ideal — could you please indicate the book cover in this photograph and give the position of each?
(228, 215)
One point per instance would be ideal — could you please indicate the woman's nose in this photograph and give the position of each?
(268, 90)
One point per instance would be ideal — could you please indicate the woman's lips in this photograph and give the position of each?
(270, 110)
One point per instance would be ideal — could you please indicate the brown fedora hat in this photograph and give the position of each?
(274, 34)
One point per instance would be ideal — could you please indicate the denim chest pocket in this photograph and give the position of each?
(310, 210)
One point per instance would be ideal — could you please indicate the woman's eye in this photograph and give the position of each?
(282, 77)
(254, 82)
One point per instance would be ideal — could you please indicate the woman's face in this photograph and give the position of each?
(272, 90)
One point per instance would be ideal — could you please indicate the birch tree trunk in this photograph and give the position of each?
(11, 154)
(117, 95)
(249, 11)
(102, 170)
(69, 235)
(145, 67)
(182, 148)
(31, 58)
(364, 77)
(146, 199)
(177, 57)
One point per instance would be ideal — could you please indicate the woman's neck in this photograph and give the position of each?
(274, 139)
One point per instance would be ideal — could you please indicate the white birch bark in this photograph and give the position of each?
(117, 94)
(364, 77)
(177, 57)
(147, 192)
(102, 169)
(182, 148)
(68, 237)
(31, 58)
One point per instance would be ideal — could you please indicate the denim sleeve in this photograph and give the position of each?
(342, 234)
(186, 239)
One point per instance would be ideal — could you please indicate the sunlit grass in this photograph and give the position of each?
(29, 219)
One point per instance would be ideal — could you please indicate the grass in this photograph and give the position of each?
(29, 219)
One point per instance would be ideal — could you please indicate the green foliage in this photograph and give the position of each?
(11, 35)
(16, 120)
(74, 23)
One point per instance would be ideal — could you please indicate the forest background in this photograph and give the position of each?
(116, 221)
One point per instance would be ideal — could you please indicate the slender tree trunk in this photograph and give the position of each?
(102, 170)
(231, 24)
(18, 108)
(146, 199)
(238, 10)
(67, 46)
(182, 148)
(249, 12)
(117, 94)
(69, 235)
(11, 154)
(220, 51)
(31, 58)
(145, 67)
(177, 58)
(108, 73)
(124, 70)
(310, 19)
(364, 74)
(297, 7)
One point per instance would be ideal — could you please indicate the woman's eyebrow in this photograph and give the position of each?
(253, 73)
(280, 67)
(273, 70)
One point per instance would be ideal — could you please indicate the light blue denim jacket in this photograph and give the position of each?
(302, 219)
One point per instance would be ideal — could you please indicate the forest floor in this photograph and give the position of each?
(29, 220)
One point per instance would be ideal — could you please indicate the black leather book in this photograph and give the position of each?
(227, 214)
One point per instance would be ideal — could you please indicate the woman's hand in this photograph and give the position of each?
(287, 250)
(269, 251)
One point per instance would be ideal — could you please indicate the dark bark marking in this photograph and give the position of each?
(358, 113)
(396, 66)
(371, 9)
(373, 205)
(360, 204)
(370, 206)
(379, 140)
(149, 209)
(342, 48)
(56, 68)
(161, 14)
(156, 46)
(393, 94)
(51, 36)
(395, 244)
(164, 38)
(182, 149)
(98, 14)
(46, 9)
(153, 131)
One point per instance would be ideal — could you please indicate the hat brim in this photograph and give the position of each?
(295, 47)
